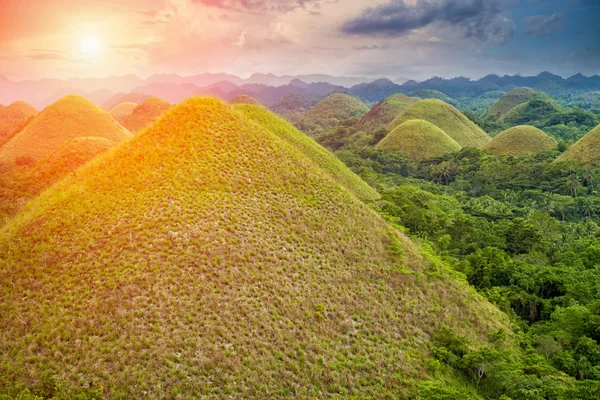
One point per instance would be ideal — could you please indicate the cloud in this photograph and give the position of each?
(45, 56)
(541, 25)
(280, 6)
(241, 40)
(477, 19)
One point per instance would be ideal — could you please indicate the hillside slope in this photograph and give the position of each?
(418, 140)
(146, 113)
(586, 151)
(207, 258)
(384, 112)
(512, 99)
(330, 111)
(447, 118)
(244, 99)
(522, 139)
(122, 111)
(13, 118)
(71, 117)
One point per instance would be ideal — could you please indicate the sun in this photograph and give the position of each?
(90, 45)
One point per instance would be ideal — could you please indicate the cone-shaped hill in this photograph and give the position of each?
(332, 110)
(522, 139)
(13, 118)
(70, 117)
(245, 99)
(512, 99)
(319, 155)
(384, 112)
(118, 98)
(146, 113)
(208, 257)
(586, 151)
(418, 140)
(447, 118)
(122, 111)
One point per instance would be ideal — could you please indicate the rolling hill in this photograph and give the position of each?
(330, 111)
(522, 139)
(586, 151)
(245, 99)
(384, 112)
(208, 258)
(122, 111)
(293, 106)
(418, 140)
(119, 98)
(13, 118)
(146, 113)
(71, 117)
(447, 118)
(512, 99)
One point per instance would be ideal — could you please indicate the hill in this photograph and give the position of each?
(146, 113)
(71, 117)
(293, 106)
(418, 140)
(208, 258)
(529, 111)
(13, 118)
(431, 94)
(522, 139)
(122, 111)
(512, 99)
(119, 98)
(587, 101)
(447, 118)
(330, 111)
(307, 146)
(245, 99)
(384, 112)
(586, 151)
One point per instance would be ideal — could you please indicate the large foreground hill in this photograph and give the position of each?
(208, 258)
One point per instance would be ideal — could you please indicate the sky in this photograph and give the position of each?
(414, 39)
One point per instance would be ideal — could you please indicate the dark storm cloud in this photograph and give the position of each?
(542, 25)
(282, 6)
(478, 19)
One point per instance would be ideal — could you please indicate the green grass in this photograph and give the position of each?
(430, 94)
(330, 111)
(418, 140)
(320, 156)
(70, 117)
(208, 258)
(512, 99)
(122, 111)
(384, 112)
(522, 139)
(586, 151)
(13, 119)
(245, 99)
(146, 113)
(447, 118)
(292, 106)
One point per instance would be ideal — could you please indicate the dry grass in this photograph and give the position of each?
(70, 117)
(122, 111)
(13, 119)
(586, 151)
(447, 118)
(418, 140)
(208, 258)
(245, 99)
(146, 113)
(384, 112)
(522, 139)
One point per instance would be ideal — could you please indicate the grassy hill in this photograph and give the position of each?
(384, 112)
(245, 99)
(293, 106)
(586, 151)
(122, 111)
(146, 113)
(522, 139)
(529, 111)
(418, 140)
(320, 156)
(13, 118)
(71, 117)
(330, 111)
(430, 94)
(119, 98)
(208, 258)
(512, 99)
(447, 118)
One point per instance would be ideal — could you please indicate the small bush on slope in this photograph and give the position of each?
(418, 140)
(519, 140)
(447, 118)
(208, 258)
